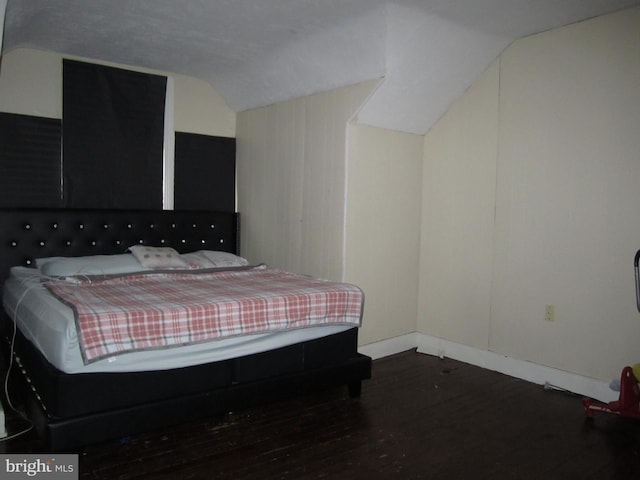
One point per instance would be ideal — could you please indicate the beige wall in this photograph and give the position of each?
(548, 142)
(31, 84)
(458, 199)
(310, 182)
(383, 228)
(291, 167)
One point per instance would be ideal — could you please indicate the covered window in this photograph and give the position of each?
(113, 137)
(30, 163)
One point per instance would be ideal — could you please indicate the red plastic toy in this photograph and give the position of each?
(628, 403)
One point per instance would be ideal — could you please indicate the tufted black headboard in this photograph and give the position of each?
(26, 234)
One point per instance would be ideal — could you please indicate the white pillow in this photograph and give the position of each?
(224, 259)
(195, 260)
(157, 257)
(90, 265)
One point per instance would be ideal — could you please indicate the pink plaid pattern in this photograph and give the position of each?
(161, 310)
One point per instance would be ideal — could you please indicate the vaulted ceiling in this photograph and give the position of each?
(257, 52)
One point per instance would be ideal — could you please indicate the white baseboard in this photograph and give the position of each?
(513, 367)
(384, 348)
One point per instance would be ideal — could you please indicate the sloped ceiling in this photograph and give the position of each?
(257, 52)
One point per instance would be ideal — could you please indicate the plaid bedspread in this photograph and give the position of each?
(163, 310)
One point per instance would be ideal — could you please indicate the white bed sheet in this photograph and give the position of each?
(50, 326)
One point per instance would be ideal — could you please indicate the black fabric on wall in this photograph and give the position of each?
(30, 162)
(205, 172)
(113, 137)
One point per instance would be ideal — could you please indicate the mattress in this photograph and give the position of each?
(50, 326)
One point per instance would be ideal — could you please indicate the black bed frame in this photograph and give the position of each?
(69, 411)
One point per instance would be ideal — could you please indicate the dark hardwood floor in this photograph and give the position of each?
(419, 417)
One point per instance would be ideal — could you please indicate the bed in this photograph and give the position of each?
(75, 397)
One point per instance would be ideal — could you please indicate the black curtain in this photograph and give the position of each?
(113, 136)
(30, 162)
(205, 172)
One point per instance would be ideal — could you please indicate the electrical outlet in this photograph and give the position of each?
(549, 313)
